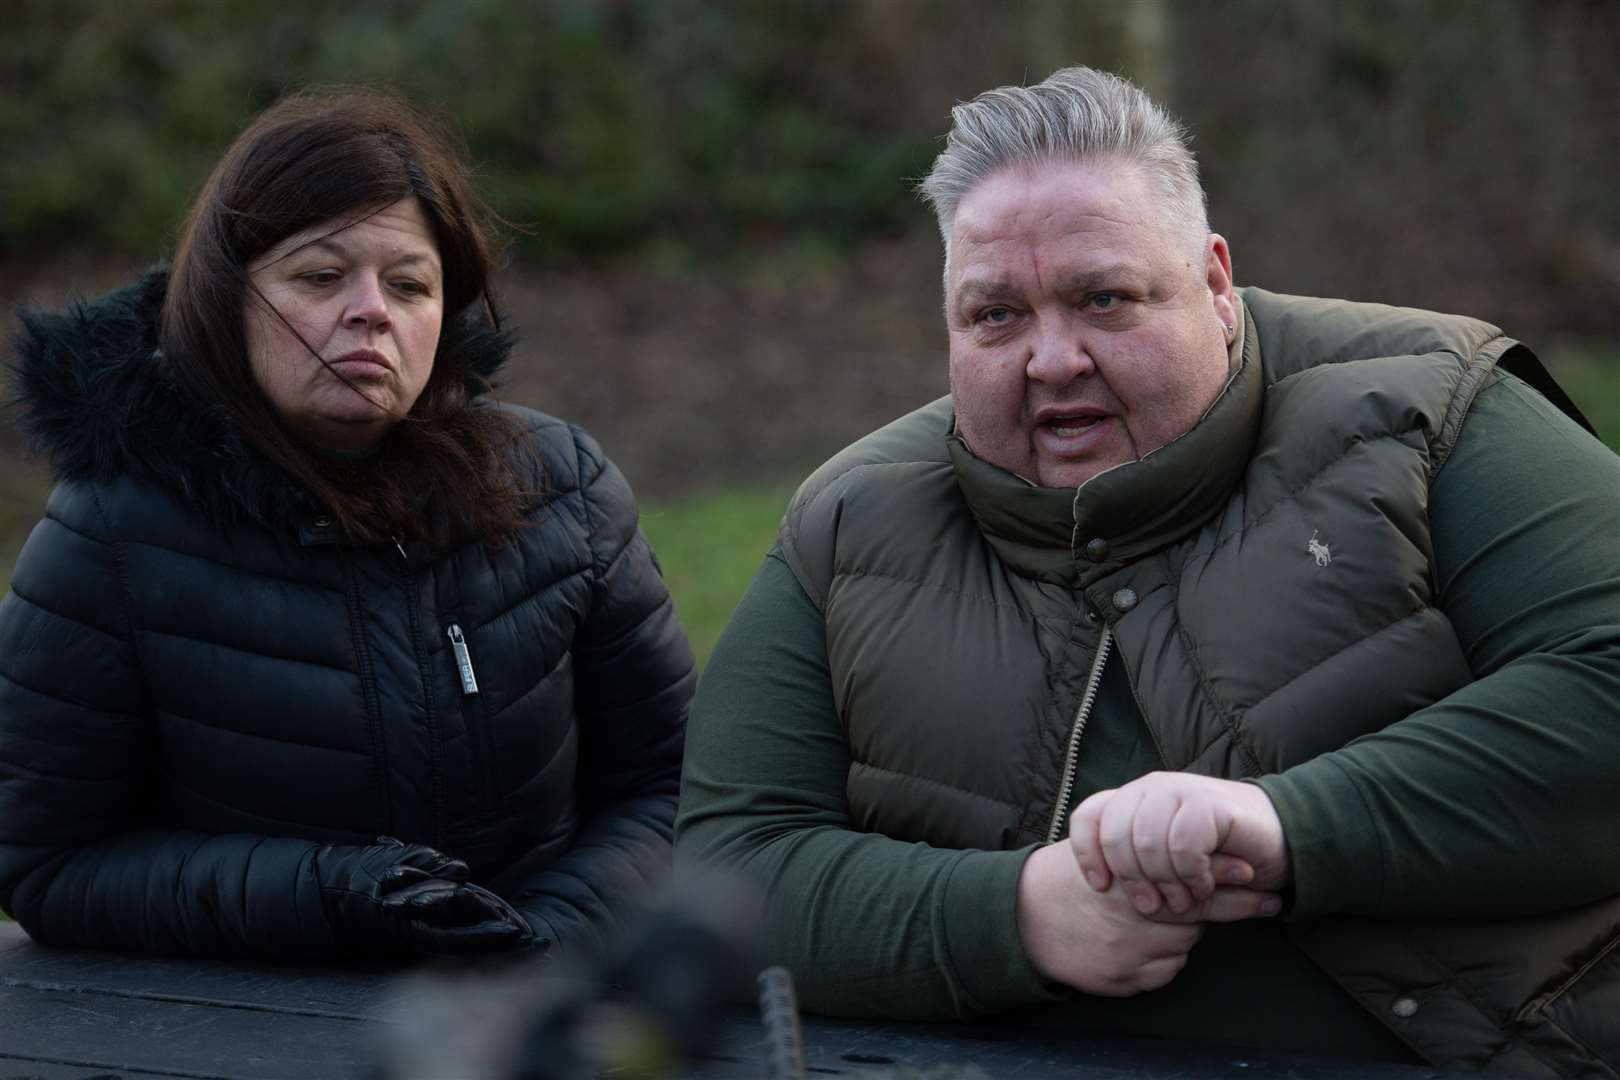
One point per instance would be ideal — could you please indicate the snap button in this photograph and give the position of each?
(1124, 600)
(1405, 1008)
(1097, 550)
(323, 522)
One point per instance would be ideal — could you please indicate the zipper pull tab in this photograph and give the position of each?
(458, 645)
(401, 548)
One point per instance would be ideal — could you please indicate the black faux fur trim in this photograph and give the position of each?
(93, 396)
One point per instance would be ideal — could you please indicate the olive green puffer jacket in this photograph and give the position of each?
(1270, 603)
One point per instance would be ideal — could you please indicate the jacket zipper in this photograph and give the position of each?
(480, 734)
(368, 694)
(430, 712)
(1072, 757)
(458, 645)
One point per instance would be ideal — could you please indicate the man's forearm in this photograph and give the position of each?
(1498, 800)
(869, 925)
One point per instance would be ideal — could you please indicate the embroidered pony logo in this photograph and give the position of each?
(1318, 550)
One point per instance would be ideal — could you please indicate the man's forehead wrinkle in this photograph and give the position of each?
(1043, 232)
(1083, 278)
(1051, 227)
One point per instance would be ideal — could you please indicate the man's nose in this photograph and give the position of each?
(1060, 354)
(367, 305)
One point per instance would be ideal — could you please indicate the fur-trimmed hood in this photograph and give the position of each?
(94, 397)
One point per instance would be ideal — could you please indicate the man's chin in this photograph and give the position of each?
(1066, 478)
(1069, 474)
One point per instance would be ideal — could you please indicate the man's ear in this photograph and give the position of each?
(1218, 276)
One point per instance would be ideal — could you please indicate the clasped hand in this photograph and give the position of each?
(1171, 838)
(1118, 910)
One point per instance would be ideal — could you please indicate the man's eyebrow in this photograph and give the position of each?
(1086, 280)
(1099, 277)
(978, 288)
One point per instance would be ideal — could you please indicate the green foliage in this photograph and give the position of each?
(598, 127)
(1449, 154)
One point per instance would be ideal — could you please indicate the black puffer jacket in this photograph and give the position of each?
(200, 679)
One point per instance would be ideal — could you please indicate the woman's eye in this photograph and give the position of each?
(320, 277)
(411, 287)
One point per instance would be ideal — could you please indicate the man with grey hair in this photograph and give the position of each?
(1210, 663)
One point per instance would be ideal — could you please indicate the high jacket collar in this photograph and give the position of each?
(1053, 534)
(95, 396)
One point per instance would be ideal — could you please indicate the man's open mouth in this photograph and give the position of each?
(1071, 425)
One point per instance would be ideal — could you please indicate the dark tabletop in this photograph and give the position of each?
(68, 1013)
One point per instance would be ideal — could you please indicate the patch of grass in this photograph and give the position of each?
(710, 546)
(1590, 374)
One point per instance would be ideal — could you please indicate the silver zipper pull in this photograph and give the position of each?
(401, 548)
(458, 645)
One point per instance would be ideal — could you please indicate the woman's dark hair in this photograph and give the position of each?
(342, 154)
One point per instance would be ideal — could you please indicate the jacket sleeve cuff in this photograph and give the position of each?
(985, 958)
(1334, 846)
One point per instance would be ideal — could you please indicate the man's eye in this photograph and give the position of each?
(995, 316)
(1105, 301)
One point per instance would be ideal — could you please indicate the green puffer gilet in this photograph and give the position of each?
(1269, 586)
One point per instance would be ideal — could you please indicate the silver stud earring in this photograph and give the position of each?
(1230, 329)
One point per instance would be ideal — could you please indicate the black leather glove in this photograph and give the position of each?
(355, 879)
(459, 919)
(408, 898)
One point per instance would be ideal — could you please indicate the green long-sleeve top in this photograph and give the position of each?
(1461, 810)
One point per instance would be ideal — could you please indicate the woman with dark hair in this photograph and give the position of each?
(319, 650)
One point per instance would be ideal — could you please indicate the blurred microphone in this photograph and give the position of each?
(656, 1000)
(779, 1013)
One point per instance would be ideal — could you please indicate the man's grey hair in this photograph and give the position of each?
(1079, 114)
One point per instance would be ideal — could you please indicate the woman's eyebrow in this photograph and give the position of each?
(331, 245)
(412, 257)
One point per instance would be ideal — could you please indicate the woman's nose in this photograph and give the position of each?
(367, 306)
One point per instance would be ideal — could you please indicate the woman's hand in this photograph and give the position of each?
(457, 919)
(1171, 840)
(412, 898)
